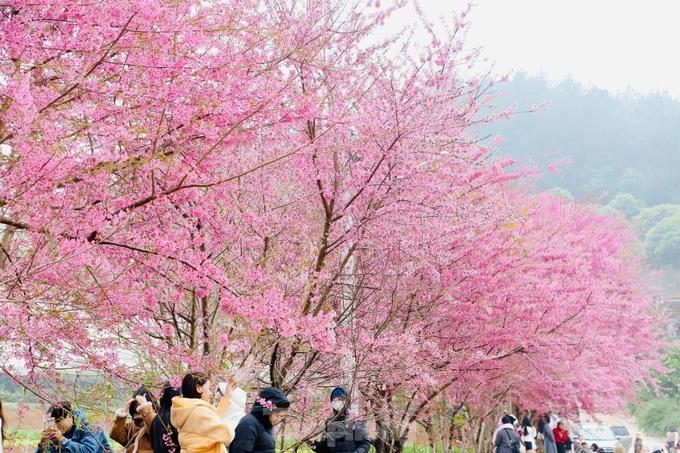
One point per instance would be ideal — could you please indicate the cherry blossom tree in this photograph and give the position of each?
(267, 190)
(507, 314)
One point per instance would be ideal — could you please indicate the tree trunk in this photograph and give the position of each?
(481, 433)
(428, 424)
(388, 440)
(5, 245)
(452, 432)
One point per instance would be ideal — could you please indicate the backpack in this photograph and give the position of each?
(514, 444)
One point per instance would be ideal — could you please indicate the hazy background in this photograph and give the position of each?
(612, 44)
(608, 76)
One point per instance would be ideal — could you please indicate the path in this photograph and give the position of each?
(629, 422)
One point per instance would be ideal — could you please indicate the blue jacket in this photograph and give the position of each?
(83, 438)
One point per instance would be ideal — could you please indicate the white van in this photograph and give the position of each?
(602, 435)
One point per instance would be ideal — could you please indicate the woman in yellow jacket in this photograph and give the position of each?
(199, 424)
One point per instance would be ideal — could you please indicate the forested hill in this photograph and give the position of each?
(618, 144)
(626, 146)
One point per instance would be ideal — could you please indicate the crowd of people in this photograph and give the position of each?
(191, 419)
(549, 434)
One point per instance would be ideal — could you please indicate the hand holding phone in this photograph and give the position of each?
(48, 422)
(227, 388)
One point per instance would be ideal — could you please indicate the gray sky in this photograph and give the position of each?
(613, 44)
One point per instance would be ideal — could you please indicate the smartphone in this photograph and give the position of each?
(48, 422)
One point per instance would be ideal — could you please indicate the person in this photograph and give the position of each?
(69, 431)
(672, 438)
(619, 448)
(135, 434)
(637, 446)
(506, 436)
(528, 435)
(199, 424)
(548, 437)
(570, 427)
(584, 448)
(539, 433)
(553, 419)
(2, 427)
(255, 433)
(561, 436)
(236, 410)
(342, 434)
(506, 422)
(163, 434)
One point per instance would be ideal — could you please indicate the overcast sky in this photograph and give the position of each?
(614, 44)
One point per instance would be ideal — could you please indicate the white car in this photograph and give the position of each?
(623, 435)
(602, 435)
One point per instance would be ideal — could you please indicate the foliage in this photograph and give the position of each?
(559, 192)
(659, 408)
(659, 227)
(23, 437)
(627, 204)
(28, 438)
(662, 242)
(651, 216)
(10, 392)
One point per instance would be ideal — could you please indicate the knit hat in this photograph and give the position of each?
(338, 392)
(268, 400)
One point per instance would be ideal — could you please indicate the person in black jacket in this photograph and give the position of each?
(255, 431)
(342, 434)
(164, 437)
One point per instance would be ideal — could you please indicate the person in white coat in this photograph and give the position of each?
(528, 435)
(237, 409)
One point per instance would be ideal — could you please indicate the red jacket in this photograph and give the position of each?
(560, 435)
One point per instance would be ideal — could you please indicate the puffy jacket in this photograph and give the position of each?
(237, 408)
(83, 438)
(200, 426)
(254, 433)
(135, 439)
(560, 435)
(342, 434)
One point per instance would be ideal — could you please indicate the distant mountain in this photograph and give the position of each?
(618, 144)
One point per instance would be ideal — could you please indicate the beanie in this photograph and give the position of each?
(338, 392)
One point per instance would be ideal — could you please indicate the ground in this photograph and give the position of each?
(630, 423)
